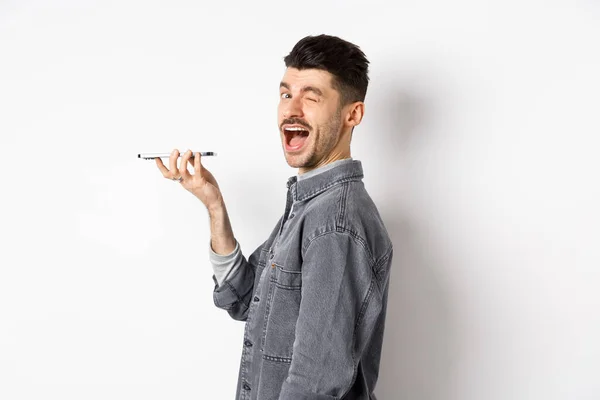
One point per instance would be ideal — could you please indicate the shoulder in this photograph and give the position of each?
(348, 209)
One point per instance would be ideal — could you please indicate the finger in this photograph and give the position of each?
(197, 165)
(183, 171)
(164, 170)
(173, 163)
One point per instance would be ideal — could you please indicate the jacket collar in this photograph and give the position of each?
(313, 185)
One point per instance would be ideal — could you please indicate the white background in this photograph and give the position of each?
(479, 145)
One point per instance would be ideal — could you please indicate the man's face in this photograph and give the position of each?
(310, 119)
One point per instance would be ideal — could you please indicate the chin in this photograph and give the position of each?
(295, 161)
(299, 160)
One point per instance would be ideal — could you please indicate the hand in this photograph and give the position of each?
(201, 183)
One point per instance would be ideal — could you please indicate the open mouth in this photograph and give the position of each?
(295, 137)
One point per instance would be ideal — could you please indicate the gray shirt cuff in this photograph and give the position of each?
(225, 265)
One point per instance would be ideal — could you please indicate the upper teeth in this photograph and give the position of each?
(294, 128)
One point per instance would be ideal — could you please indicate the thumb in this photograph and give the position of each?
(198, 168)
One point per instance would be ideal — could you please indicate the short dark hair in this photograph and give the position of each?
(344, 60)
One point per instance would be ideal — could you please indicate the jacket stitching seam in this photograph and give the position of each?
(359, 318)
(232, 288)
(351, 233)
(376, 267)
(362, 241)
(342, 206)
(283, 286)
(323, 188)
(286, 360)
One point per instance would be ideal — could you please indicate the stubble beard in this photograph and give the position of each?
(326, 137)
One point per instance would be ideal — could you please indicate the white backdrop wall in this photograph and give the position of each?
(479, 145)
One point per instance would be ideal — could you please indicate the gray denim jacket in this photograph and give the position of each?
(314, 294)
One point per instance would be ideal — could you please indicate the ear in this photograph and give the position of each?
(354, 114)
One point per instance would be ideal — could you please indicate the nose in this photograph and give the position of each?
(293, 108)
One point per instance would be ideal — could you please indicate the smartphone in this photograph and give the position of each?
(152, 156)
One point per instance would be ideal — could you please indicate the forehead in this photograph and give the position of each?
(297, 79)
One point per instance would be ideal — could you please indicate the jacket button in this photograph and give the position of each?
(248, 343)
(273, 265)
(256, 298)
(246, 386)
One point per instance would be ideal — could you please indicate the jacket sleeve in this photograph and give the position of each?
(337, 290)
(234, 293)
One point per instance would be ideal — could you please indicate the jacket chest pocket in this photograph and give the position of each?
(285, 288)
(286, 279)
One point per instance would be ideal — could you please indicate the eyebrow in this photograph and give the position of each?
(313, 89)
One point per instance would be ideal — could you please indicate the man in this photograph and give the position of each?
(314, 294)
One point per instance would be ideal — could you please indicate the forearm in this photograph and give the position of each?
(235, 281)
(222, 239)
